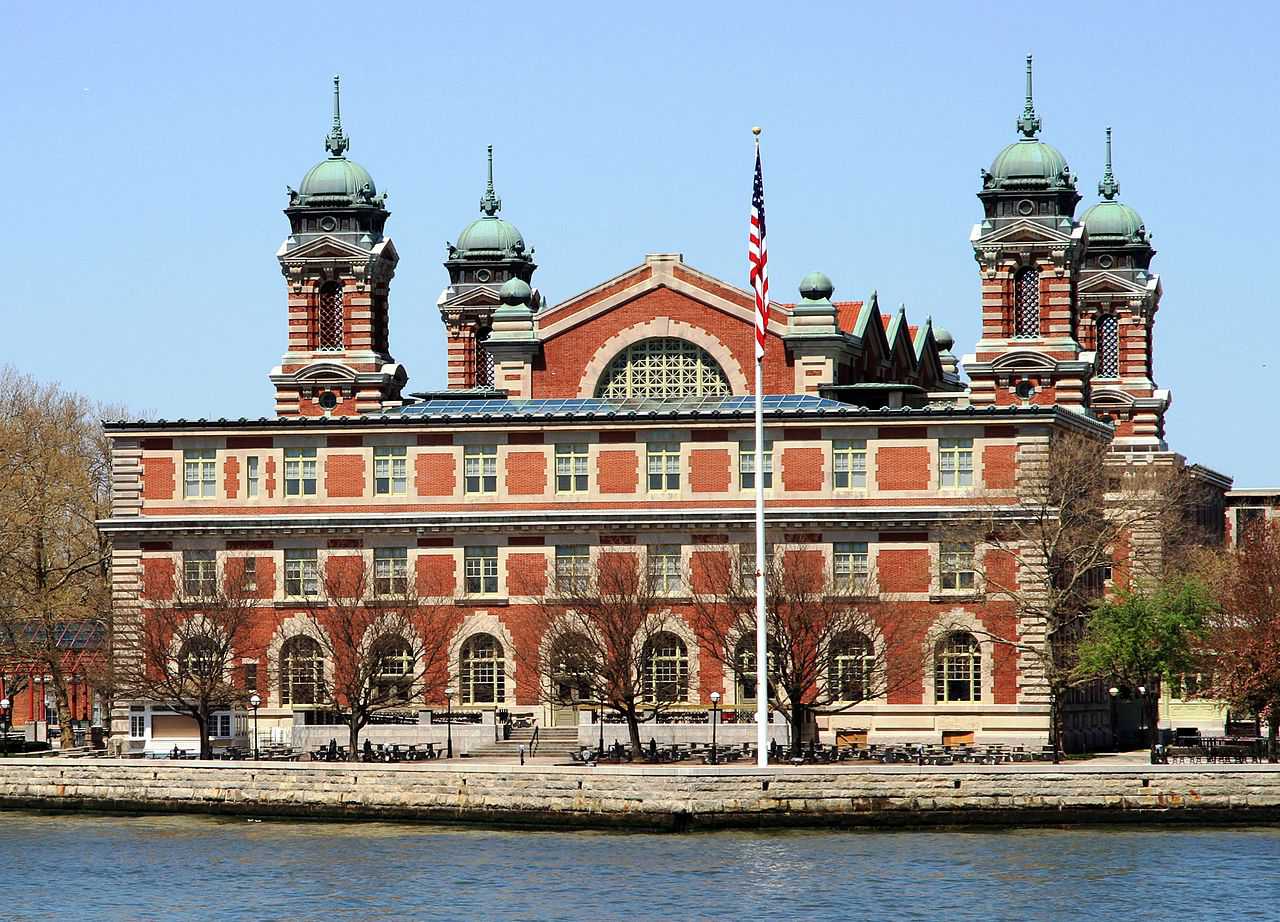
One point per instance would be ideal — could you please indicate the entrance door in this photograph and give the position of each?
(569, 694)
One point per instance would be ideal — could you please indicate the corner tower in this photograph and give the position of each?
(1119, 297)
(338, 267)
(489, 253)
(1028, 249)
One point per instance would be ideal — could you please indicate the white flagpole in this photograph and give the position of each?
(762, 633)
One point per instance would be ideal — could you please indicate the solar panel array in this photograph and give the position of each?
(591, 406)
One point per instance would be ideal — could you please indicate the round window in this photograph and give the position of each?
(483, 275)
(1026, 206)
(328, 223)
(1106, 261)
(328, 400)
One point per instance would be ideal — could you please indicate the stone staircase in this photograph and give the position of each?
(553, 742)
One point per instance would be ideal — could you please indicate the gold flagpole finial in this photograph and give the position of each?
(756, 131)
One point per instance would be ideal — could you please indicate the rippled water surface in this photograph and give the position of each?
(86, 867)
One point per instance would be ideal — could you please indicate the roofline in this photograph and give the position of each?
(648, 414)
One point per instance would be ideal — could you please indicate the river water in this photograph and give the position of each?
(89, 867)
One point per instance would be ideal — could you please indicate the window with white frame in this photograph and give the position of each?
(219, 726)
(301, 572)
(390, 470)
(571, 467)
(482, 670)
(480, 469)
(299, 472)
(663, 368)
(199, 473)
(199, 574)
(955, 463)
(957, 669)
(664, 568)
(248, 575)
(852, 668)
(956, 568)
(137, 723)
(666, 669)
(252, 477)
(301, 671)
(480, 570)
(747, 464)
(390, 570)
(573, 567)
(849, 464)
(664, 466)
(850, 566)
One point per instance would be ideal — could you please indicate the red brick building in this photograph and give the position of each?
(621, 418)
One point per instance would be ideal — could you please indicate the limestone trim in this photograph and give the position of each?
(952, 621)
(485, 622)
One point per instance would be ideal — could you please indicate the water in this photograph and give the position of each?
(203, 868)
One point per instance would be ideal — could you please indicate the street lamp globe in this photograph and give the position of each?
(4, 704)
(715, 697)
(1113, 691)
(450, 692)
(254, 700)
(1142, 689)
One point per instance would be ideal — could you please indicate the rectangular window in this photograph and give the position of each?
(219, 726)
(747, 464)
(571, 468)
(249, 575)
(664, 568)
(299, 472)
(573, 567)
(251, 477)
(301, 572)
(137, 724)
(390, 465)
(199, 473)
(664, 466)
(251, 676)
(850, 567)
(199, 574)
(480, 567)
(480, 469)
(955, 463)
(956, 566)
(849, 464)
(390, 570)
(747, 565)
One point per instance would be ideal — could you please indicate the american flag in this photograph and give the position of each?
(758, 257)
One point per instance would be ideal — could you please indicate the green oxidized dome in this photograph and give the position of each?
(1110, 220)
(816, 286)
(488, 236)
(1030, 163)
(336, 181)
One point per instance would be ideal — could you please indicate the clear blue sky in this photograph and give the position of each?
(148, 148)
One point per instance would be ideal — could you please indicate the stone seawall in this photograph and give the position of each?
(661, 798)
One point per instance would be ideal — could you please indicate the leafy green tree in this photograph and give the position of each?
(1140, 638)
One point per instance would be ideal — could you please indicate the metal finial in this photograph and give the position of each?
(490, 204)
(1108, 188)
(1029, 124)
(337, 142)
(756, 131)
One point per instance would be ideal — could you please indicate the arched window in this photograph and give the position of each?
(744, 670)
(301, 671)
(666, 669)
(1108, 346)
(483, 670)
(329, 318)
(1026, 302)
(852, 669)
(198, 660)
(662, 369)
(393, 669)
(957, 669)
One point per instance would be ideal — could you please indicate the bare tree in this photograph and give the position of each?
(1080, 514)
(384, 645)
(192, 629)
(54, 486)
(606, 634)
(831, 645)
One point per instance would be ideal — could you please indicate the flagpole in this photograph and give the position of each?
(762, 633)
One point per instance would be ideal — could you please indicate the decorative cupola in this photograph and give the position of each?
(813, 336)
(1028, 250)
(512, 341)
(1119, 297)
(338, 266)
(489, 253)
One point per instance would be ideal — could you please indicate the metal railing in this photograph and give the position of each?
(533, 741)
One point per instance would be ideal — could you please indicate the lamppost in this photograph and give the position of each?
(448, 720)
(255, 702)
(715, 713)
(600, 720)
(1145, 720)
(5, 703)
(1115, 733)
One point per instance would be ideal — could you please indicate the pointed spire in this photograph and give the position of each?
(490, 204)
(1108, 188)
(336, 142)
(1029, 124)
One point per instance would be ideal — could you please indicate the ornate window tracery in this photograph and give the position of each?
(1026, 303)
(329, 319)
(301, 671)
(666, 669)
(1108, 346)
(958, 669)
(663, 368)
(483, 670)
